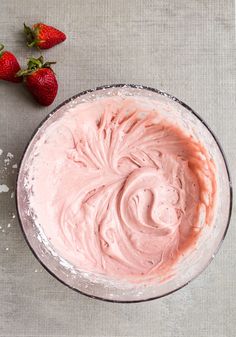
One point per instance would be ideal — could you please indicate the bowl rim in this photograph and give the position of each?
(160, 92)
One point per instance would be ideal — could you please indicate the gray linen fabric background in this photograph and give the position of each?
(185, 47)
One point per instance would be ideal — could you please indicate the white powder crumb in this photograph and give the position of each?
(12, 194)
(9, 225)
(13, 216)
(7, 161)
(1, 152)
(4, 188)
(10, 155)
(14, 166)
(36, 270)
(3, 230)
(0, 227)
(7, 248)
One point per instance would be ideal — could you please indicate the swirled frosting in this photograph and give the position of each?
(118, 190)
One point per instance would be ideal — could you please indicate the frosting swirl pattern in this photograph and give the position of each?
(118, 190)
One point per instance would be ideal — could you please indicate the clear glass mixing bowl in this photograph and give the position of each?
(192, 263)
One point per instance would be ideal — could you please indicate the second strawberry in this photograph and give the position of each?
(40, 80)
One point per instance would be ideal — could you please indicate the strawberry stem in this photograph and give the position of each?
(48, 64)
(1, 49)
(30, 36)
(34, 64)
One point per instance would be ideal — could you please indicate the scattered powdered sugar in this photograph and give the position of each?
(10, 155)
(7, 180)
(6, 161)
(8, 158)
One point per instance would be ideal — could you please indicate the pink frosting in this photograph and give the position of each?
(119, 191)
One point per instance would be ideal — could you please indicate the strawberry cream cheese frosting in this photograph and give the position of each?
(118, 190)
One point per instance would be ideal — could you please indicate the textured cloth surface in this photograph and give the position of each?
(183, 47)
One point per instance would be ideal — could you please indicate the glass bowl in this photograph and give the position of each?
(191, 264)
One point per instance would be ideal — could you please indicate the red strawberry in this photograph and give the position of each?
(40, 80)
(43, 36)
(9, 66)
